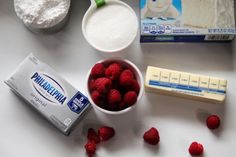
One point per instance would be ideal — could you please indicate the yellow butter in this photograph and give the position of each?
(197, 87)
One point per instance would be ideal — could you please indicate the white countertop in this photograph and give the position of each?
(24, 133)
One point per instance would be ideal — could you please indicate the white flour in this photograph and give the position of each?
(111, 27)
(41, 13)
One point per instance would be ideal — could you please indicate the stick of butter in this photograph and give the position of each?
(53, 97)
(187, 85)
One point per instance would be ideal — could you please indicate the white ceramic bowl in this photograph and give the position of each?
(138, 76)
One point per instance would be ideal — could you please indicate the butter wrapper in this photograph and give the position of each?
(186, 85)
(47, 92)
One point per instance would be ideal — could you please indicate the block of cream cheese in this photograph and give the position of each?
(48, 93)
(197, 87)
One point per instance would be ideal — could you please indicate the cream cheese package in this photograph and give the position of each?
(187, 85)
(187, 20)
(48, 93)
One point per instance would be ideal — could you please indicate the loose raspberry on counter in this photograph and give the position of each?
(152, 136)
(105, 133)
(98, 70)
(213, 122)
(113, 96)
(90, 148)
(93, 136)
(196, 149)
(103, 84)
(130, 98)
(113, 71)
(97, 98)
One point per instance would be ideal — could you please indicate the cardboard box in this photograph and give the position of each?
(187, 20)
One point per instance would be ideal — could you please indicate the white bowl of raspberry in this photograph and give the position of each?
(114, 86)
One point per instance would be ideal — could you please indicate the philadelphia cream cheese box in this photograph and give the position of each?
(48, 93)
(187, 20)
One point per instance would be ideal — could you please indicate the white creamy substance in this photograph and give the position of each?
(41, 13)
(111, 27)
(208, 13)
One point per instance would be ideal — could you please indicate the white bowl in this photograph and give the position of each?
(138, 76)
(92, 11)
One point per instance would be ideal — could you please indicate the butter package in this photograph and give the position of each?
(53, 97)
(187, 85)
(187, 20)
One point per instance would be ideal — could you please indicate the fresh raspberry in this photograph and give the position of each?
(92, 136)
(90, 148)
(151, 136)
(121, 105)
(105, 133)
(130, 98)
(134, 87)
(111, 107)
(213, 122)
(113, 96)
(103, 85)
(126, 78)
(126, 82)
(127, 73)
(98, 70)
(92, 85)
(113, 71)
(97, 98)
(196, 149)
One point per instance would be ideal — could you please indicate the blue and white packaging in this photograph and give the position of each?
(46, 91)
(187, 20)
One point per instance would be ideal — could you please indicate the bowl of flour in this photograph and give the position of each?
(110, 26)
(46, 16)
